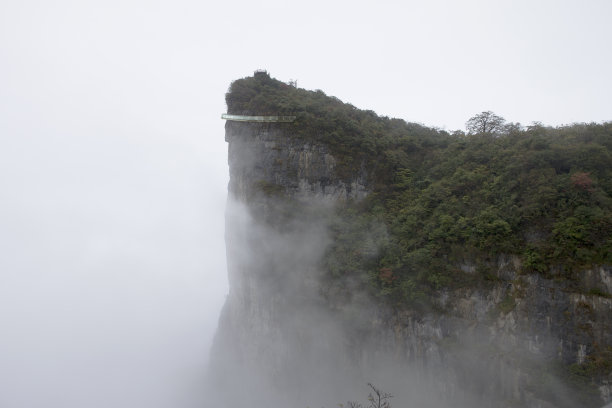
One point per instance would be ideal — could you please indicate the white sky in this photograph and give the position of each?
(113, 165)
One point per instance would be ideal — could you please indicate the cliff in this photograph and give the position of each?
(342, 274)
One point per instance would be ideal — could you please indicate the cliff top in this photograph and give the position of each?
(357, 137)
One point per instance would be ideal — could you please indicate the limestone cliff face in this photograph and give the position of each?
(504, 341)
(287, 342)
(274, 330)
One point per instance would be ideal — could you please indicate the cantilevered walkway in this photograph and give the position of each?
(243, 118)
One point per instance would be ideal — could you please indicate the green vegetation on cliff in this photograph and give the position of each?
(356, 137)
(543, 194)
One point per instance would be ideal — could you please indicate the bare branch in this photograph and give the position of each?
(379, 399)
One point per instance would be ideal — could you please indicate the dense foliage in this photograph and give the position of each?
(543, 194)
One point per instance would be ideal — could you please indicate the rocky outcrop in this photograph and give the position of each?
(494, 345)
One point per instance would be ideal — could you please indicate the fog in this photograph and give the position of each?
(112, 268)
(111, 283)
(291, 335)
(113, 180)
(113, 167)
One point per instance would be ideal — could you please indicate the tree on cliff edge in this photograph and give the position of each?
(486, 123)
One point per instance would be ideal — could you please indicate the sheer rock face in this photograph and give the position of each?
(282, 342)
(263, 155)
(274, 332)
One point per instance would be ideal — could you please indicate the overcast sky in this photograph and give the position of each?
(113, 166)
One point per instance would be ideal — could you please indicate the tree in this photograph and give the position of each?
(377, 399)
(486, 123)
(582, 181)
